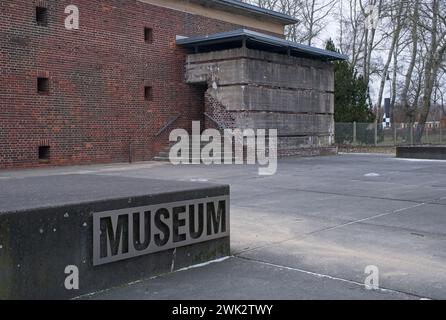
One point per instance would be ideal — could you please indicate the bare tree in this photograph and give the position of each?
(413, 59)
(314, 14)
(289, 7)
(359, 39)
(396, 17)
(409, 44)
(433, 22)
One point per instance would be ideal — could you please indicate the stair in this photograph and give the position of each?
(163, 156)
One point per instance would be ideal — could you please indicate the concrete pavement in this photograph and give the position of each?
(309, 231)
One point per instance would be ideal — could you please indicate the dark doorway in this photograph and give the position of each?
(198, 105)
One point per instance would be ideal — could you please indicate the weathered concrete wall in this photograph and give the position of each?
(275, 99)
(246, 66)
(263, 90)
(59, 232)
(422, 152)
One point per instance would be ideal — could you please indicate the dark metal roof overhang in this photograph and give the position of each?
(259, 41)
(242, 7)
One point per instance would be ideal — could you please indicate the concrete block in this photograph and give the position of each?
(221, 72)
(258, 98)
(47, 224)
(286, 124)
(252, 54)
(422, 152)
(286, 76)
(259, 68)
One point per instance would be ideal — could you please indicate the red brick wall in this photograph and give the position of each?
(95, 111)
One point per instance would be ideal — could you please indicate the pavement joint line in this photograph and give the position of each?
(174, 254)
(281, 189)
(367, 219)
(423, 233)
(386, 155)
(293, 218)
(275, 243)
(391, 184)
(256, 194)
(271, 244)
(368, 197)
(195, 266)
(321, 275)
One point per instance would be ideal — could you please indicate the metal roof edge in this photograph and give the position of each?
(260, 37)
(284, 18)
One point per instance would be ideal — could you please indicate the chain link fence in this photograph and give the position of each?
(397, 134)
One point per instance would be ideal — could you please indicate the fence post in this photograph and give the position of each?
(376, 133)
(394, 135)
(411, 134)
(354, 132)
(441, 138)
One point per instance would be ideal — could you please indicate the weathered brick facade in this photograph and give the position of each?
(95, 110)
(217, 116)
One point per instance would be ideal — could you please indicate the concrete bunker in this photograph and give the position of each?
(257, 81)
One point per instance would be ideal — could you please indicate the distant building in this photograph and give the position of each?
(113, 90)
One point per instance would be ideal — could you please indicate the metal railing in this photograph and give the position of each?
(396, 134)
(221, 126)
(167, 125)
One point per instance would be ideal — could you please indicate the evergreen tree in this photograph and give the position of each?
(350, 92)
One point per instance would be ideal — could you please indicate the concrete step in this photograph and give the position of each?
(166, 154)
(166, 159)
(194, 149)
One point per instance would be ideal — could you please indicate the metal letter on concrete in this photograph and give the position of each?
(166, 226)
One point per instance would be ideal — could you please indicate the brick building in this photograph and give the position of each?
(112, 90)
